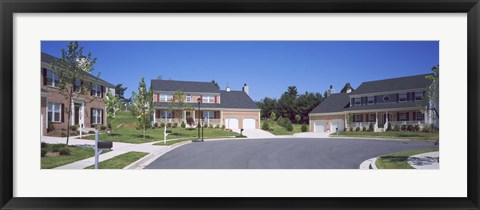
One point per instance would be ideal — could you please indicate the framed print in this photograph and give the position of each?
(251, 105)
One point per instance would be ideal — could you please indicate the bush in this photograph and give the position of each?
(357, 129)
(162, 125)
(43, 152)
(389, 127)
(64, 151)
(364, 129)
(63, 134)
(183, 125)
(103, 127)
(345, 129)
(155, 124)
(210, 126)
(74, 127)
(370, 127)
(283, 122)
(409, 127)
(265, 126)
(416, 128)
(169, 125)
(304, 128)
(223, 127)
(289, 127)
(396, 128)
(174, 125)
(190, 121)
(217, 126)
(51, 127)
(351, 128)
(43, 145)
(91, 132)
(57, 147)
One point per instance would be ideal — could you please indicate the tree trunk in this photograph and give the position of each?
(68, 116)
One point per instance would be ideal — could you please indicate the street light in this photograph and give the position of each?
(144, 114)
(199, 101)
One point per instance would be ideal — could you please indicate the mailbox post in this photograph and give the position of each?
(100, 146)
(165, 134)
(81, 128)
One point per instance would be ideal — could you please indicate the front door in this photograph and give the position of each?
(76, 114)
(381, 120)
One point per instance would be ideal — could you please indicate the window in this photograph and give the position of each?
(402, 97)
(166, 97)
(371, 99)
(371, 118)
(419, 116)
(52, 78)
(208, 115)
(402, 116)
(76, 85)
(208, 99)
(188, 98)
(54, 112)
(386, 98)
(96, 116)
(418, 95)
(96, 90)
(358, 101)
(166, 114)
(357, 118)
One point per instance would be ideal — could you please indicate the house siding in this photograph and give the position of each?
(242, 115)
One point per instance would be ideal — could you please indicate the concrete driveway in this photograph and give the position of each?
(312, 134)
(281, 153)
(256, 133)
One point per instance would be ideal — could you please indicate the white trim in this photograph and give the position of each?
(326, 114)
(385, 93)
(186, 93)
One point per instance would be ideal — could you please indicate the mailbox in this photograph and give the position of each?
(105, 144)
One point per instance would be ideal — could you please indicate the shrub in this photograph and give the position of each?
(190, 121)
(63, 134)
(51, 127)
(43, 145)
(91, 132)
(396, 128)
(155, 124)
(389, 127)
(284, 122)
(298, 118)
(174, 125)
(56, 147)
(223, 127)
(162, 125)
(357, 129)
(351, 128)
(210, 126)
(345, 129)
(103, 127)
(64, 151)
(304, 128)
(364, 129)
(409, 127)
(183, 125)
(289, 127)
(43, 152)
(265, 126)
(416, 128)
(370, 127)
(74, 127)
(217, 126)
(169, 125)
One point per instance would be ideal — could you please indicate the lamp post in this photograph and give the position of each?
(144, 114)
(199, 100)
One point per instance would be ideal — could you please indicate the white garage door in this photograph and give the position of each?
(319, 126)
(337, 124)
(248, 123)
(231, 123)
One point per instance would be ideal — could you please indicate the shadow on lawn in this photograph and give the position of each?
(395, 158)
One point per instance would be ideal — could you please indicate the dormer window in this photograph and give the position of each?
(357, 101)
(418, 95)
(208, 99)
(371, 99)
(188, 98)
(166, 97)
(52, 78)
(402, 97)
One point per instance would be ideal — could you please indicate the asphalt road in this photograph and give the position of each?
(291, 153)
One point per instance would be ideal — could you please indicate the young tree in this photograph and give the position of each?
(73, 70)
(120, 91)
(178, 102)
(142, 107)
(430, 102)
(112, 105)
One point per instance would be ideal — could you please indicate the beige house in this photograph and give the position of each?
(205, 103)
(397, 101)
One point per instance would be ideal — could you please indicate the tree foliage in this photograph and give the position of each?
(112, 105)
(142, 106)
(216, 84)
(346, 87)
(73, 69)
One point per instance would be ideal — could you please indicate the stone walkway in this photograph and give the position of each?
(427, 160)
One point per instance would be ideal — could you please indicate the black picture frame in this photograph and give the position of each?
(9, 7)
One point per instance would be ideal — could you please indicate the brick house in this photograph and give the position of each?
(87, 110)
(234, 109)
(397, 101)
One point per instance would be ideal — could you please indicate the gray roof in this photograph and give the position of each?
(334, 103)
(394, 84)
(51, 59)
(185, 86)
(228, 100)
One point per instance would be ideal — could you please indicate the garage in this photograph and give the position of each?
(231, 123)
(320, 126)
(337, 124)
(248, 123)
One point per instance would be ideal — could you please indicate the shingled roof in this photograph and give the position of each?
(394, 84)
(51, 59)
(185, 86)
(228, 100)
(334, 103)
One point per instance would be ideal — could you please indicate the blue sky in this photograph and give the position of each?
(268, 67)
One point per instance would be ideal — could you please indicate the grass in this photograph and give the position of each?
(276, 129)
(389, 135)
(398, 160)
(128, 133)
(120, 162)
(77, 153)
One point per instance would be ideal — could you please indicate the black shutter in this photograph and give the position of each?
(91, 116)
(413, 96)
(398, 116)
(408, 114)
(103, 90)
(367, 118)
(398, 97)
(44, 74)
(414, 116)
(101, 115)
(62, 111)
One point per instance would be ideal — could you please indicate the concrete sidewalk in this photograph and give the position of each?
(427, 160)
(255, 133)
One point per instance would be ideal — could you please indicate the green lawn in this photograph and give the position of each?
(120, 162)
(389, 135)
(77, 153)
(276, 129)
(129, 134)
(398, 160)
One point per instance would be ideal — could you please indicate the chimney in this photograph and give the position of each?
(330, 91)
(228, 87)
(245, 88)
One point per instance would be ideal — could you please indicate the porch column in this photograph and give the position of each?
(184, 116)
(346, 121)
(154, 116)
(386, 117)
(425, 117)
(221, 118)
(194, 117)
(376, 119)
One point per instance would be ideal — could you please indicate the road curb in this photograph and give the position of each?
(369, 164)
(141, 163)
